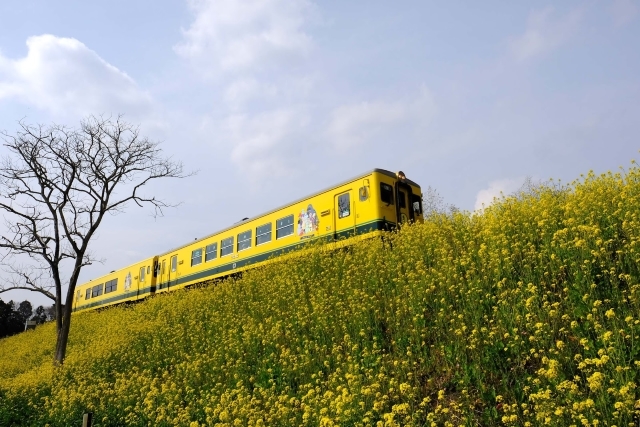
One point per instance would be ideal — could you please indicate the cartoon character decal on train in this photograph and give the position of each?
(127, 282)
(308, 222)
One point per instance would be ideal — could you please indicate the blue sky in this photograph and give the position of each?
(274, 99)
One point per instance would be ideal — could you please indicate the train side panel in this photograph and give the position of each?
(131, 283)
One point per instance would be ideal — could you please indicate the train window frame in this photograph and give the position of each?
(164, 265)
(142, 276)
(211, 252)
(148, 269)
(196, 257)
(244, 240)
(263, 233)
(416, 202)
(386, 193)
(344, 205)
(96, 290)
(87, 294)
(284, 227)
(226, 246)
(174, 263)
(111, 286)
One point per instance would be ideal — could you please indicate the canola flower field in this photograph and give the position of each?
(526, 314)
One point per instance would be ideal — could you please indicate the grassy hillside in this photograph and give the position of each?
(528, 314)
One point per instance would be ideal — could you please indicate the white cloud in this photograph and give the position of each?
(64, 77)
(264, 144)
(623, 11)
(353, 125)
(497, 189)
(544, 33)
(241, 91)
(238, 34)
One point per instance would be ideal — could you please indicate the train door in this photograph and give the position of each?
(142, 280)
(163, 274)
(172, 278)
(75, 302)
(404, 202)
(345, 216)
(155, 269)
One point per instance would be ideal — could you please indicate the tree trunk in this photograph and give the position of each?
(58, 310)
(63, 332)
(63, 338)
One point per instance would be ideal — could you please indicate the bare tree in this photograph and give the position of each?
(56, 186)
(433, 204)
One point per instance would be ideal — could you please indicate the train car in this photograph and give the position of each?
(131, 283)
(361, 207)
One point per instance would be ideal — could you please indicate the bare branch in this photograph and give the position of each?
(30, 278)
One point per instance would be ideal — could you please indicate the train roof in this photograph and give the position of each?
(102, 276)
(382, 171)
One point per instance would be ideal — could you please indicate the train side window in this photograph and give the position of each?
(386, 193)
(226, 246)
(142, 269)
(111, 286)
(148, 269)
(284, 227)
(163, 267)
(263, 234)
(196, 257)
(244, 240)
(416, 202)
(344, 205)
(174, 263)
(96, 291)
(211, 252)
(402, 199)
(87, 295)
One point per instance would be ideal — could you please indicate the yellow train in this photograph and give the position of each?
(365, 205)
